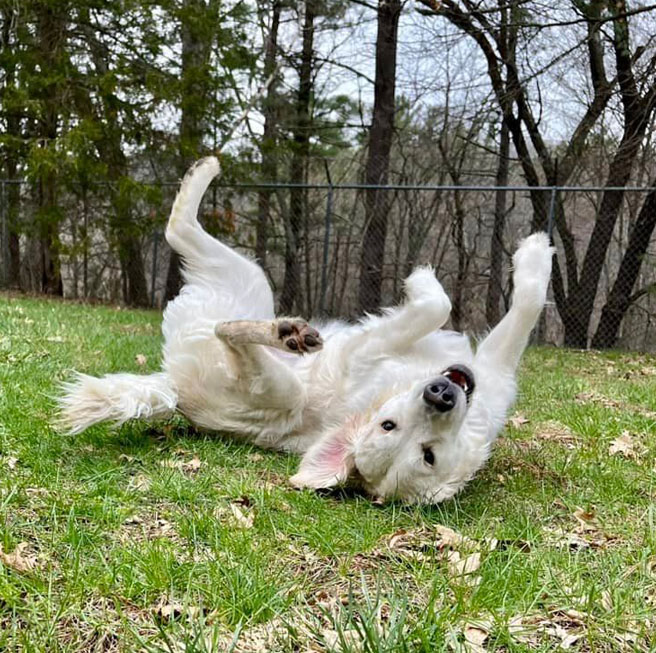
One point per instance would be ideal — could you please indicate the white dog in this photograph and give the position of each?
(393, 403)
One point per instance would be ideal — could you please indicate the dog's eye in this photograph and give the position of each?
(388, 425)
(429, 457)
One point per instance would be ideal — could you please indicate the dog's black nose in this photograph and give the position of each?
(440, 394)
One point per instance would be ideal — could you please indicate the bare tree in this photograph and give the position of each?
(11, 115)
(291, 294)
(269, 136)
(377, 167)
(196, 39)
(575, 297)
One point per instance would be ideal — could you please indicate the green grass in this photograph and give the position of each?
(133, 549)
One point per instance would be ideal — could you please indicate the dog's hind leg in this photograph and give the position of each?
(207, 261)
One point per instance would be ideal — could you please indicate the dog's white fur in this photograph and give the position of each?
(223, 369)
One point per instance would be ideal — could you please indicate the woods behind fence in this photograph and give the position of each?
(102, 103)
(457, 230)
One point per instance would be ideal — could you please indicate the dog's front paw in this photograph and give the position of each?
(533, 256)
(532, 269)
(423, 284)
(299, 337)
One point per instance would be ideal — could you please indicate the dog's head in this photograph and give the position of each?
(409, 446)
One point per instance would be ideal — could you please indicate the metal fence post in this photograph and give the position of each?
(552, 212)
(154, 269)
(326, 244)
(4, 235)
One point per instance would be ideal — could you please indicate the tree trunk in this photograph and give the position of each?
(51, 30)
(495, 287)
(291, 295)
(619, 298)
(268, 143)
(377, 168)
(108, 144)
(580, 301)
(196, 47)
(10, 154)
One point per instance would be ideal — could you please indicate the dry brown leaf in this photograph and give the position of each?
(419, 541)
(255, 457)
(242, 520)
(450, 538)
(149, 527)
(575, 541)
(18, 559)
(567, 626)
(140, 360)
(525, 628)
(626, 445)
(140, 483)
(190, 466)
(477, 633)
(333, 639)
(466, 566)
(518, 420)
(169, 611)
(37, 492)
(587, 520)
(556, 432)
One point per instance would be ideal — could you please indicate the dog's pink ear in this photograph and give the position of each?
(330, 461)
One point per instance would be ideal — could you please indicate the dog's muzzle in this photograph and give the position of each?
(442, 393)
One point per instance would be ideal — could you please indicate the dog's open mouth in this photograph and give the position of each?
(461, 376)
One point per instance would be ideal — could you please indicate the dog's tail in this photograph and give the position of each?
(116, 398)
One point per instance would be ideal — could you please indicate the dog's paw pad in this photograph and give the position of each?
(299, 336)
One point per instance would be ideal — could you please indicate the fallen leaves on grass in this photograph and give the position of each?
(587, 533)
(167, 610)
(471, 636)
(140, 483)
(345, 640)
(476, 634)
(587, 520)
(146, 527)
(242, 519)
(566, 626)
(10, 461)
(189, 466)
(18, 559)
(518, 420)
(554, 431)
(594, 397)
(140, 360)
(461, 553)
(628, 446)
(462, 568)
(422, 542)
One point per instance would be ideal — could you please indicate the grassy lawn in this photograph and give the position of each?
(162, 538)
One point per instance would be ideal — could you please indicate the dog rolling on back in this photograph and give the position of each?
(393, 403)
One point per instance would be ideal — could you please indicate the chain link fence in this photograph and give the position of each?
(312, 255)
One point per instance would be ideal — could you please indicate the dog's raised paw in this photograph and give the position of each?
(299, 337)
